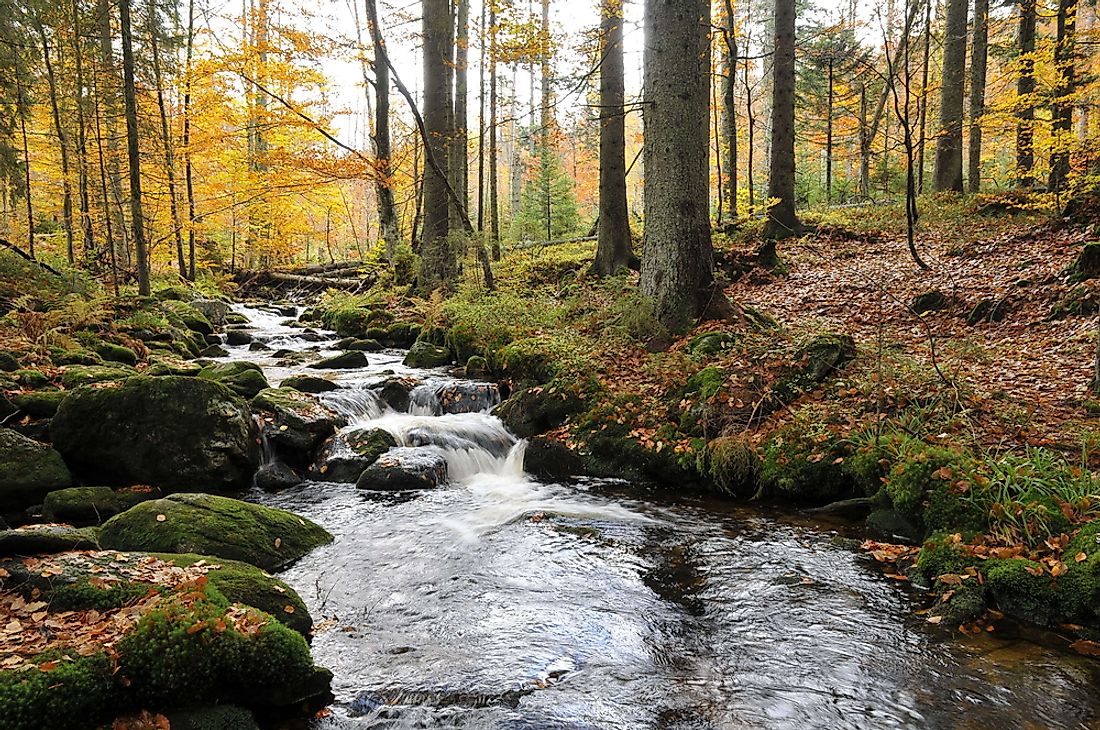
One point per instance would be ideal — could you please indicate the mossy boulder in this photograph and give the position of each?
(190, 317)
(82, 506)
(1087, 264)
(38, 539)
(172, 432)
(706, 382)
(295, 423)
(39, 403)
(929, 301)
(276, 476)
(533, 411)
(1024, 589)
(175, 294)
(528, 361)
(710, 344)
(74, 376)
(78, 356)
(477, 368)
(246, 379)
(215, 310)
(814, 362)
(426, 355)
(344, 456)
(364, 345)
(344, 361)
(29, 470)
(116, 353)
(251, 586)
(75, 694)
(8, 362)
(266, 537)
(31, 378)
(309, 384)
(404, 468)
(160, 365)
(803, 462)
(217, 717)
(238, 338)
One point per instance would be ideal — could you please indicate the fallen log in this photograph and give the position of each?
(326, 268)
(282, 279)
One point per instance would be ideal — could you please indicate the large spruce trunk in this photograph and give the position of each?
(613, 246)
(438, 267)
(677, 262)
(949, 141)
(782, 220)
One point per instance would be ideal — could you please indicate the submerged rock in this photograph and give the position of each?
(172, 432)
(29, 470)
(454, 397)
(395, 392)
(345, 456)
(237, 338)
(405, 468)
(266, 537)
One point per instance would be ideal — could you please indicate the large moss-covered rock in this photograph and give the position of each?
(172, 432)
(111, 352)
(295, 423)
(73, 695)
(83, 506)
(28, 471)
(426, 355)
(243, 378)
(344, 456)
(266, 537)
(215, 310)
(190, 317)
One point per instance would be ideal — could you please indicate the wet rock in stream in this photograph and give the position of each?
(405, 468)
(345, 456)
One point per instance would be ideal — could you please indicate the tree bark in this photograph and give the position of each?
(1025, 91)
(494, 196)
(62, 143)
(188, 171)
(387, 208)
(133, 150)
(678, 261)
(438, 264)
(782, 219)
(613, 248)
(166, 137)
(108, 96)
(86, 233)
(978, 57)
(1062, 108)
(23, 110)
(949, 142)
(459, 168)
(923, 114)
(729, 107)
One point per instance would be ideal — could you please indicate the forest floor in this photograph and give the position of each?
(1025, 376)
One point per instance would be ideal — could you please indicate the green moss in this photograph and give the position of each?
(426, 355)
(39, 403)
(218, 717)
(116, 353)
(8, 362)
(872, 458)
(61, 356)
(477, 367)
(803, 461)
(243, 583)
(309, 384)
(28, 471)
(707, 382)
(1032, 596)
(967, 603)
(184, 653)
(402, 334)
(81, 505)
(816, 360)
(80, 691)
(920, 468)
(30, 378)
(733, 465)
(940, 555)
(710, 344)
(82, 595)
(468, 338)
(266, 537)
(181, 313)
(243, 378)
(345, 360)
(74, 376)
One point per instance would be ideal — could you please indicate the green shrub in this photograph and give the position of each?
(733, 465)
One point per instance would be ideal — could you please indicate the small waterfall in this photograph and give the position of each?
(453, 396)
(267, 452)
(472, 443)
(359, 405)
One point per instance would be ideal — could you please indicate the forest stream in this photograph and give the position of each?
(502, 601)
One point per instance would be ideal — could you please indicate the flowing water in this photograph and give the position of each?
(498, 601)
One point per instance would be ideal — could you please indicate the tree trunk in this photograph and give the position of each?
(459, 169)
(782, 219)
(188, 172)
(750, 124)
(166, 137)
(481, 122)
(978, 56)
(387, 208)
(613, 248)
(114, 206)
(494, 197)
(678, 261)
(62, 143)
(829, 137)
(23, 110)
(1025, 91)
(438, 265)
(729, 107)
(132, 148)
(87, 236)
(949, 142)
(1062, 107)
(923, 115)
